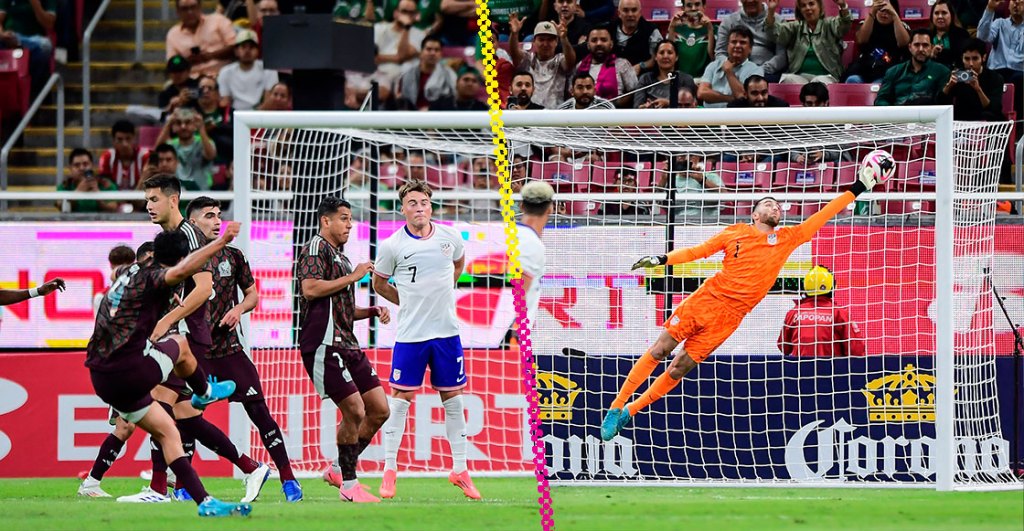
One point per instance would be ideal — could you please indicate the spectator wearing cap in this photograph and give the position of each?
(206, 40)
(467, 93)
(425, 80)
(244, 83)
(182, 90)
(549, 69)
(25, 24)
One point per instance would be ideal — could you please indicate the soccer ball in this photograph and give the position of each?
(880, 163)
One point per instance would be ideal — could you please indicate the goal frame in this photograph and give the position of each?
(940, 116)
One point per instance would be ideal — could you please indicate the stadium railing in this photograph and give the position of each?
(55, 80)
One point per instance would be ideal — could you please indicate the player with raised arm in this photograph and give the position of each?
(123, 430)
(754, 255)
(190, 316)
(339, 369)
(425, 260)
(125, 364)
(536, 207)
(14, 296)
(227, 359)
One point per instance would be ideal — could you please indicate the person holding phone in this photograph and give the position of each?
(206, 40)
(82, 178)
(883, 39)
(694, 37)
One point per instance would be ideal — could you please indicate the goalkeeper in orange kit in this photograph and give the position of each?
(754, 255)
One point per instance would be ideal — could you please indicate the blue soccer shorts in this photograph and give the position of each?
(409, 362)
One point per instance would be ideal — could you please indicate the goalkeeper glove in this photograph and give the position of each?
(650, 261)
(868, 178)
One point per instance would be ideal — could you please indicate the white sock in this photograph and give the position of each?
(91, 481)
(455, 428)
(349, 483)
(393, 430)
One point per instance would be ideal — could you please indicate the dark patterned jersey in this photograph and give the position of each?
(197, 324)
(230, 273)
(128, 313)
(326, 320)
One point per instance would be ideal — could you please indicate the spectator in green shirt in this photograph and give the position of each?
(917, 81)
(694, 35)
(26, 24)
(81, 178)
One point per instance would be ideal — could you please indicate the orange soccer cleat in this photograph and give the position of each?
(463, 482)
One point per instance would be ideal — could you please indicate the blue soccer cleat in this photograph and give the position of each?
(181, 495)
(214, 507)
(217, 391)
(292, 490)
(613, 422)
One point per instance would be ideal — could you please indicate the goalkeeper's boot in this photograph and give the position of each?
(613, 422)
(387, 484)
(254, 482)
(292, 490)
(215, 391)
(147, 495)
(463, 482)
(357, 494)
(213, 507)
(90, 488)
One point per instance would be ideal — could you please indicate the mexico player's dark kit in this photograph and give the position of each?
(195, 327)
(123, 364)
(327, 341)
(226, 359)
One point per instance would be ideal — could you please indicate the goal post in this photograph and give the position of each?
(583, 347)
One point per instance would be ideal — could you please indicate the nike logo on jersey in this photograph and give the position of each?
(406, 257)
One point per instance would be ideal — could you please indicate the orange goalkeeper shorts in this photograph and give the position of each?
(704, 323)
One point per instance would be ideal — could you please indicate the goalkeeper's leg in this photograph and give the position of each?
(643, 368)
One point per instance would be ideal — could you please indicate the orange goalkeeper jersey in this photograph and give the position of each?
(753, 258)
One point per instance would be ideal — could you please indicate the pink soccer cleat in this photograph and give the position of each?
(387, 484)
(331, 477)
(463, 482)
(357, 494)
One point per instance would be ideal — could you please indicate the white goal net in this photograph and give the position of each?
(864, 413)
(366, 166)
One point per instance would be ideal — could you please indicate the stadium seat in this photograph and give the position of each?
(914, 176)
(392, 174)
(787, 91)
(148, 135)
(445, 177)
(787, 10)
(562, 176)
(849, 52)
(582, 208)
(743, 177)
(852, 94)
(718, 9)
(15, 81)
(915, 11)
(659, 10)
(804, 178)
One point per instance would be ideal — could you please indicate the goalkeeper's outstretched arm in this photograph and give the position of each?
(689, 254)
(812, 224)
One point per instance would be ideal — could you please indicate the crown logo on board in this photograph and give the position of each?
(907, 396)
(557, 394)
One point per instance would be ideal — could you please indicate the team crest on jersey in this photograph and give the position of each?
(447, 248)
(773, 239)
(224, 268)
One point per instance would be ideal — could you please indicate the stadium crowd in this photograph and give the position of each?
(571, 54)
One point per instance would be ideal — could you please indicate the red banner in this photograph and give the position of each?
(52, 423)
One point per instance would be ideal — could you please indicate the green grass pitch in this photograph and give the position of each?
(511, 503)
(420, 504)
(763, 509)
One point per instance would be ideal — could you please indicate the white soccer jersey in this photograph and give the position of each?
(533, 261)
(424, 273)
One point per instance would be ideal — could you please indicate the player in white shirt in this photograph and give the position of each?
(424, 259)
(536, 207)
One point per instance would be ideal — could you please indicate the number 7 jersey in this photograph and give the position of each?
(423, 270)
